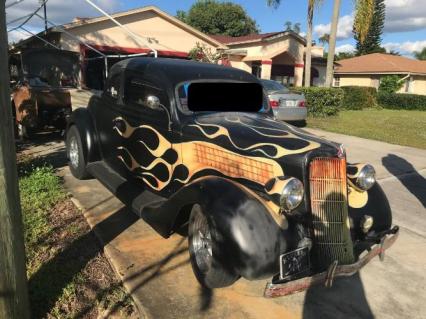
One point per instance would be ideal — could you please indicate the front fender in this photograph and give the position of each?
(373, 203)
(250, 237)
(82, 119)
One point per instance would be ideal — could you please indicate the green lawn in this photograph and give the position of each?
(392, 126)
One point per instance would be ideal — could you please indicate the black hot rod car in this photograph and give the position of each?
(188, 144)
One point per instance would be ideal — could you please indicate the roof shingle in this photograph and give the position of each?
(380, 63)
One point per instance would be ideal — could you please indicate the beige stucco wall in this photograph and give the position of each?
(270, 49)
(236, 62)
(355, 80)
(322, 71)
(419, 85)
(170, 36)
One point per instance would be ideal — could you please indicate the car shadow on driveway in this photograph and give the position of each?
(346, 299)
(407, 175)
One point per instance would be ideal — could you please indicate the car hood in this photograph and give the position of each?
(255, 135)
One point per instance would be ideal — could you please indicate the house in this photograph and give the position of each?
(277, 55)
(367, 70)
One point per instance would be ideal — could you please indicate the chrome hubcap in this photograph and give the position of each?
(202, 242)
(73, 152)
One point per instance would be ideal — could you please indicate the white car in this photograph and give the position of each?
(287, 106)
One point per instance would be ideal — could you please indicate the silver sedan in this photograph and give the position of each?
(287, 106)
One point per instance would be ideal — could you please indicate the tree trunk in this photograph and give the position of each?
(308, 53)
(332, 44)
(13, 280)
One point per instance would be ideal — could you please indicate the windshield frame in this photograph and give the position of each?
(266, 110)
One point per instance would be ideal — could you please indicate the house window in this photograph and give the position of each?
(336, 82)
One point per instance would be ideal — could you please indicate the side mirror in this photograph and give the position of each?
(152, 102)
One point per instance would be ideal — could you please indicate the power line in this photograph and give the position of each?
(28, 17)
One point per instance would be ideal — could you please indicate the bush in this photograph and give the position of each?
(390, 84)
(322, 102)
(359, 97)
(402, 101)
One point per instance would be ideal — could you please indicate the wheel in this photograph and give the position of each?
(76, 160)
(204, 249)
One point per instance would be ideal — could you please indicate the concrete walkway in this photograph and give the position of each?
(158, 274)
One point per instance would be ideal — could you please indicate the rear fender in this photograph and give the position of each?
(82, 119)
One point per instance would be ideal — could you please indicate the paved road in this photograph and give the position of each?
(160, 278)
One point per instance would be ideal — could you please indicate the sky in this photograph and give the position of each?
(405, 26)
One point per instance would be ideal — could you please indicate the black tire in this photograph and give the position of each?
(75, 155)
(215, 274)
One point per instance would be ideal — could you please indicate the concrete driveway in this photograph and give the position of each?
(158, 274)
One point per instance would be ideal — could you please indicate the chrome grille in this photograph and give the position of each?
(329, 204)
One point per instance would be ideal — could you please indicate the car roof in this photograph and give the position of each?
(179, 70)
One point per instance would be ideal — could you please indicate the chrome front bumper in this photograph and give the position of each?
(282, 289)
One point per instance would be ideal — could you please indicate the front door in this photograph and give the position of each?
(144, 134)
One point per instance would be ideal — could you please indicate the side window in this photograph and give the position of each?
(113, 88)
(137, 91)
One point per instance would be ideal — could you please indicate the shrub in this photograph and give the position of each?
(359, 97)
(322, 102)
(390, 84)
(402, 101)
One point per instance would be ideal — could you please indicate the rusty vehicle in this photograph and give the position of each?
(41, 80)
(195, 147)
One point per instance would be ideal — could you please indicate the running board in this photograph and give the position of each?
(133, 195)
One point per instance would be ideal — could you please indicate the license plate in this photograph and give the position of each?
(294, 263)
(289, 103)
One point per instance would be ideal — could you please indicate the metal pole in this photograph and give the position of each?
(125, 28)
(13, 280)
(45, 17)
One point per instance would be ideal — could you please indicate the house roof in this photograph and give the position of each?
(380, 63)
(254, 37)
(78, 22)
(166, 16)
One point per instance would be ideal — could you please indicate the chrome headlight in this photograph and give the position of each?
(366, 177)
(291, 195)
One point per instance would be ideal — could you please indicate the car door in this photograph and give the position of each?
(146, 145)
(106, 109)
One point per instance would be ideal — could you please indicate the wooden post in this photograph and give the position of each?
(13, 280)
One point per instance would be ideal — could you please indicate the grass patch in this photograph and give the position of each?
(69, 277)
(392, 126)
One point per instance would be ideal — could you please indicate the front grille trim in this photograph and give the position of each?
(329, 208)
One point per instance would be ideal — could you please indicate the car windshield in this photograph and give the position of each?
(211, 96)
(271, 86)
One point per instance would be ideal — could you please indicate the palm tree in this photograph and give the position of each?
(296, 28)
(421, 55)
(324, 39)
(288, 25)
(363, 17)
(311, 7)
